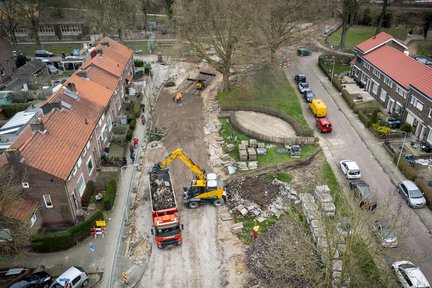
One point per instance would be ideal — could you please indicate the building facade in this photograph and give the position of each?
(7, 62)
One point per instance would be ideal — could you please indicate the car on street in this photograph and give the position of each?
(364, 194)
(411, 194)
(409, 275)
(303, 86)
(300, 78)
(350, 169)
(74, 277)
(39, 279)
(302, 51)
(324, 125)
(43, 53)
(385, 233)
(308, 95)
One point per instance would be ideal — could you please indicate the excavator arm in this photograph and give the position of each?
(186, 160)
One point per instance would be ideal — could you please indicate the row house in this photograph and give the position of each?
(402, 85)
(60, 152)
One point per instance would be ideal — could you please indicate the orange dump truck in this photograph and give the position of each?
(166, 221)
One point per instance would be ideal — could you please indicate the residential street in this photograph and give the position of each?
(345, 142)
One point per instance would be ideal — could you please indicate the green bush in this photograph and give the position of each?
(132, 124)
(426, 189)
(405, 168)
(88, 193)
(12, 109)
(364, 118)
(147, 68)
(137, 109)
(406, 127)
(110, 195)
(138, 63)
(374, 117)
(119, 129)
(63, 240)
(139, 74)
(129, 134)
(381, 130)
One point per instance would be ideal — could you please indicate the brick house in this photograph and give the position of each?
(402, 85)
(59, 153)
(7, 62)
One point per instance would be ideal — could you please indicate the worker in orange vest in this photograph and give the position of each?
(178, 97)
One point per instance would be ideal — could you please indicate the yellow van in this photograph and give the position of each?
(318, 108)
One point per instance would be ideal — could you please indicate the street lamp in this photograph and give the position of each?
(334, 61)
(400, 153)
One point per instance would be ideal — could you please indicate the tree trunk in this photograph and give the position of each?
(381, 17)
(14, 39)
(226, 81)
(36, 35)
(343, 35)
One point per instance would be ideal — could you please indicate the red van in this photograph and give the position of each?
(324, 125)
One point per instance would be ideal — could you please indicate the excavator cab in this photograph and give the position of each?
(200, 84)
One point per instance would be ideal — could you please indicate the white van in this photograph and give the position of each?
(74, 277)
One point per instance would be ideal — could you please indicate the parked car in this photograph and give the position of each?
(411, 194)
(409, 275)
(74, 276)
(324, 125)
(363, 192)
(350, 169)
(52, 69)
(38, 279)
(43, 53)
(302, 51)
(308, 95)
(300, 78)
(384, 232)
(303, 86)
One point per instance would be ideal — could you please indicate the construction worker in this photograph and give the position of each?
(178, 97)
(255, 228)
(199, 85)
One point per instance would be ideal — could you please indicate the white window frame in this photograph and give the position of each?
(84, 152)
(375, 88)
(417, 103)
(90, 160)
(401, 91)
(79, 162)
(88, 144)
(383, 95)
(376, 73)
(33, 219)
(75, 170)
(366, 65)
(103, 131)
(429, 138)
(25, 185)
(110, 124)
(83, 186)
(48, 202)
(430, 113)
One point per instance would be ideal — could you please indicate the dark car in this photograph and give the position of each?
(308, 95)
(363, 192)
(302, 51)
(303, 86)
(38, 279)
(43, 53)
(300, 78)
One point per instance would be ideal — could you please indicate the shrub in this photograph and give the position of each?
(364, 118)
(129, 134)
(132, 124)
(381, 130)
(62, 240)
(406, 127)
(110, 195)
(119, 129)
(348, 98)
(139, 74)
(138, 63)
(147, 68)
(426, 189)
(88, 193)
(12, 109)
(137, 109)
(374, 117)
(405, 168)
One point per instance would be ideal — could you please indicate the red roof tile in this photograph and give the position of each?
(373, 42)
(402, 68)
(22, 209)
(101, 77)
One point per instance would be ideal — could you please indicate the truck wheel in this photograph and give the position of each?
(218, 202)
(193, 204)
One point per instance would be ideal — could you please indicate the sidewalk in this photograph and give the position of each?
(372, 143)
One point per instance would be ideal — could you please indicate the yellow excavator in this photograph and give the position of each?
(207, 188)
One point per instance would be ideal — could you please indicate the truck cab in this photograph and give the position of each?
(167, 230)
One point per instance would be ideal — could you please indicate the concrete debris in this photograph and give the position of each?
(225, 157)
(253, 143)
(260, 219)
(256, 212)
(232, 169)
(242, 147)
(321, 189)
(237, 228)
(252, 165)
(229, 147)
(245, 143)
(207, 129)
(243, 155)
(260, 145)
(162, 194)
(261, 151)
(323, 198)
(242, 166)
(226, 216)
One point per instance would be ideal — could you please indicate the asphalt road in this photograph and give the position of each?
(345, 143)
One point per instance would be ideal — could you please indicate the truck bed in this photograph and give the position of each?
(162, 192)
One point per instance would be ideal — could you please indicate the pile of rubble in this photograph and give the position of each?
(256, 197)
(162, 194)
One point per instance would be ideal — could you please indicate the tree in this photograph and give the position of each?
(427, 24)
(213, 25)
(381, 16)
(347, 11)
(10, 17)
(32, 10)
(122, 14)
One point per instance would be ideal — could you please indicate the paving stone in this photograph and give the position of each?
(323, 198)
(243, 211)
(256, 212)
(226, 217)
(260, 219)
(321, 189)
(253, 143)
(337, 265)
(230, 147)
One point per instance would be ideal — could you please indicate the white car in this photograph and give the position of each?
(410, 275)
(350, 169)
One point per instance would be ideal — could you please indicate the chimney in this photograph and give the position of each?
(93, 53)
(71, 87)
(13, 155)
(38, 126)
(56, 105)
(106, 43)
(82, 74)
(99, 52)
(48, 107)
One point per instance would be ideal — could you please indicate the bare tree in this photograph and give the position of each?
(347, 11)
(381, 16)
(33, 10)
(10, 17)
(10, 190)
(122, 14)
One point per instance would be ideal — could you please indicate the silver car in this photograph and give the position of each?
(411, 194)
(409, 275)
(384, 232)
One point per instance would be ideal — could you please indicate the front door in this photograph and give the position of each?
(390, 105)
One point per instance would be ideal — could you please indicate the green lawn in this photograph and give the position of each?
(267, 88)
(358, 34)
(424, 48)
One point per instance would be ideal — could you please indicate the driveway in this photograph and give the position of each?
(345, 143)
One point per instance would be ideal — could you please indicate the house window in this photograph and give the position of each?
(25, 185)
(366, 65)
(398, 108)
(70, 29)
(21, 32)
(363, 78)
(388, 81)
(429, 139)
(376, 72)
(88, 145)
(118, 104)
(401, 91)
(2, 72)
(74, 200)
(104, 133)
(47, 200)
(84, 152)
(416, 103)
(46, 29)
(90, 165)
(430, 113)
(33, 219)
(375, 87)
(79, 162)
(81, 185)
(383, 95)
(75, 170)
(109, 123)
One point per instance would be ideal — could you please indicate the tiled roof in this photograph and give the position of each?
(22, 210)
(374, 42)
(68, 131)
(110, 65)
(99, 76)
(402, 68)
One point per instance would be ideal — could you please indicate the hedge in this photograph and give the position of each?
(147, 68)
(88, 193)
(364, 118)
(426, 189)
(62, 240)
(110, 195)
(348, 98)
(132, 124)
(405, 168)
(12, 109)
(138, 63)
(137, 109)
(129, 134)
